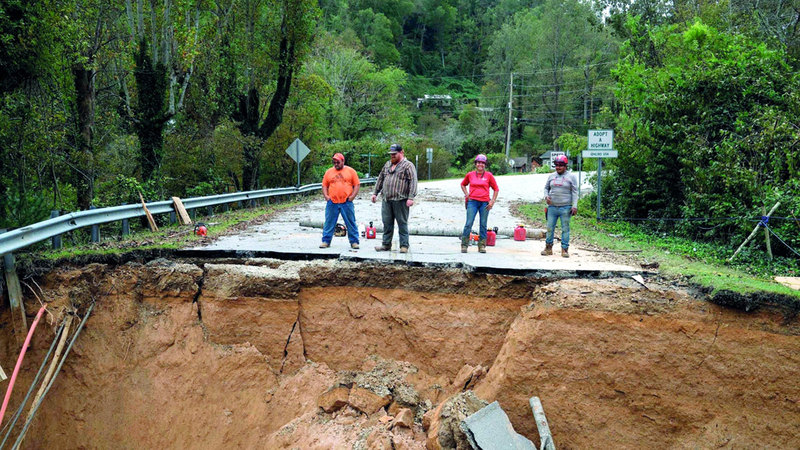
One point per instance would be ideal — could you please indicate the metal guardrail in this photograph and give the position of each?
(40, 231)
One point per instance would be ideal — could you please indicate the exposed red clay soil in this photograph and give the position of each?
(271, 354)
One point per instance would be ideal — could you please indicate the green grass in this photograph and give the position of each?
(701, 263)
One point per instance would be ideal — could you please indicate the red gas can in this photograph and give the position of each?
(370, 232)
(519, 233)
(491, 237)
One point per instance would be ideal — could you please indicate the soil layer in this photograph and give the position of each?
(208, 355)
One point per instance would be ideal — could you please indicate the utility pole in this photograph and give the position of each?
(510, 100)
(369, 162)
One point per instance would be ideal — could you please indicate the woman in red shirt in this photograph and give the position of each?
(477, 201)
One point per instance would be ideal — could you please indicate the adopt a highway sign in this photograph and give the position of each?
(601, 144)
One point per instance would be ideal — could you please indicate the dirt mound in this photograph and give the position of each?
(621, 368)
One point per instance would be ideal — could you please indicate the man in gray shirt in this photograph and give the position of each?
(561, 195)
(398, 184)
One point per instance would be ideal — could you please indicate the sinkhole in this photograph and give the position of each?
(263, 353)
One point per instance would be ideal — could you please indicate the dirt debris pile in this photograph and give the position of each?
(326, 354)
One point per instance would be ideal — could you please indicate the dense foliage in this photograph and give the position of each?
(101, 100)
(707, 129)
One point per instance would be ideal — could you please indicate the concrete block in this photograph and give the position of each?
(490, 429)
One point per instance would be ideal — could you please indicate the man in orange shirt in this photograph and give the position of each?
(340, 186)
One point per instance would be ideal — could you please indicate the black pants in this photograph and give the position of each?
(392, 210)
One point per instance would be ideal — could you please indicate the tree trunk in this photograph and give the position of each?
(84, 158)
(282, 89)
(247, 118)
(151, 82)
(250, 167)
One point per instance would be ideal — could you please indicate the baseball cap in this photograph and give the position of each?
(338, 156)
(394, 148)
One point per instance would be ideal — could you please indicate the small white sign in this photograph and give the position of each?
(553, 158)
(601, 140)
(429, 152)
(599, 153)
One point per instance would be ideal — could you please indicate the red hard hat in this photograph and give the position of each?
(561, 159)
(480, 158)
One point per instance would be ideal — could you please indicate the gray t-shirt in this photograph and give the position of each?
(562, 189)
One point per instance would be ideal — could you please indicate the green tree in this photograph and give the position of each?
(708, 132)
(377, 37)
(32, 119)
(277, 38)
(162, 39)
(560, 53)
(365, 100)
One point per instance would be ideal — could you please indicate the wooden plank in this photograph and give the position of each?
(792, 282)
(3, 376)
(15, 299)
(183, 216)
(150, 221)
(53, 364)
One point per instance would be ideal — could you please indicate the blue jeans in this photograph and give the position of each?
(553, 213)
(348, 212)
(473, 208)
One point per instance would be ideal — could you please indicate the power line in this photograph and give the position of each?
(506, 74)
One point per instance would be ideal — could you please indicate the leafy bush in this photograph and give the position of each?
(704, 130)
(20, 209)
(125, 190)
(476, 145)
(498, 164)
(213, 186)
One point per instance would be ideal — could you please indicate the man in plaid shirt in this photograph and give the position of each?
(398, 183)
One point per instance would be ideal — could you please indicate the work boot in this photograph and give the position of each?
(482, 246)
(324, 245)
(403, 249)
(354, 245)
(464, 244)
(564, 253)
(383, 248)
(548, 250)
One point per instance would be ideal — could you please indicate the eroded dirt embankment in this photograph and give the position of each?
(193, 354)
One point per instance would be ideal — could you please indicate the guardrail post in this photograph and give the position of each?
(56, 240)
(209, 211)
(126, 227)
(226, 207)
(95, 230)
(15, 296)
(193, 214)
(173, 218)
